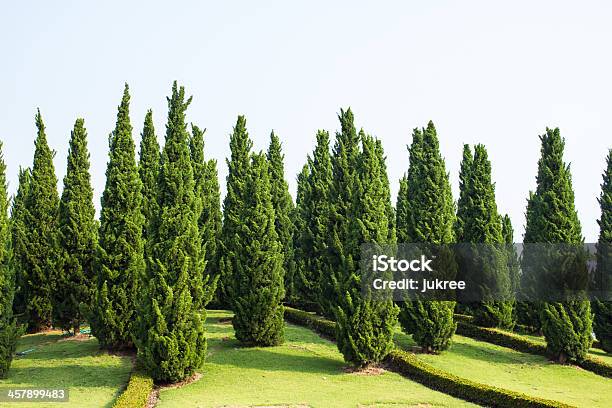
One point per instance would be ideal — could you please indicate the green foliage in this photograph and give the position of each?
(365, 323)
(313, 207)
(78, 237)
(148, 169)
(170, 340)
(283, 210)
(486, 264)
(428, 215)
(137, 392)
(119, 260)
(513, 259)
(552, 218)
(257, 276)
(603, 279)
(233, 205)
(465, 175)
(41, 226)
(9, 330)
(19, 241)
(207, 189)
(342, 247)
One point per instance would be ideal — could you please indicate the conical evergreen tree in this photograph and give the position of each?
(552, 218)
(365, 323)
(431, 218)
(19, 240)
(78, 236)
(148, 168)
(341, 248)
(603, 281)
(402, 211)
(513, 259)
(487, 263)
(257, 279)
(41, 221)
(119, 259)
(233, 204)
(171, 343)
(283, 208)
(314, 184)
(462, 203)
(207, 189)
(305, 282)
(386, 187)
(9, 331)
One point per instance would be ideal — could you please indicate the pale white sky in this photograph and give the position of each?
(483, 71)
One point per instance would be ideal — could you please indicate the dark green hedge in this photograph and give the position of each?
(410, 366)
(525, 345)
(137, 392)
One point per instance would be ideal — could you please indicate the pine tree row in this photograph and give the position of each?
(162, 249)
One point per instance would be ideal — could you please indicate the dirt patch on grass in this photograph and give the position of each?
(369, 370)
(225, 320)
(78, 337)
(183, 383)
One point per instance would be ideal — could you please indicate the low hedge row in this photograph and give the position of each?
(137, 392)
(312, 321)
(410, 366)
(525, 345)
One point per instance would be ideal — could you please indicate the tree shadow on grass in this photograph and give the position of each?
(280, 358)
(65, 349)
(70, 377)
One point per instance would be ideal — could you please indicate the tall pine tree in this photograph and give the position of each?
(119, 258)
(78, 236)
(257, 276)
(19, 241)
(9, 330)
(305, 283)
(552, 219)
(148, 168)
(464, 181)
(206, 185)
(42, 247)
(283, 209)
(365, 323)
(602, 306)
(513, 259)
(238, 173)
(171, 343)
(314, 184)
(487, 263)
(341, 247)
(430, 219)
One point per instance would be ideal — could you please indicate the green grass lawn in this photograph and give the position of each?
(527, 373)
(93, 377)
(306, 370)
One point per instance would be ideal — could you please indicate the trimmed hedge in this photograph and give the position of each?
(410, 366)
(322, 326)
(525, 345)
(137, 392)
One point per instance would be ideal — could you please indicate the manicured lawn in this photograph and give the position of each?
(93, 377)
(306, 370)
(530, 374)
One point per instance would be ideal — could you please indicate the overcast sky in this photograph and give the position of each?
(482, 71)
